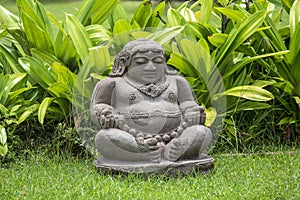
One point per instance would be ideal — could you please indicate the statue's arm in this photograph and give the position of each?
(100, 107)
(192, 112)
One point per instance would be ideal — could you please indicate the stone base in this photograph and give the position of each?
(183, 167)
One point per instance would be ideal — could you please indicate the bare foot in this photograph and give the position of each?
(155, 156)
(176, 148)
(154, 149)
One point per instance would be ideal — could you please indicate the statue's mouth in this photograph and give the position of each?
(149, 74)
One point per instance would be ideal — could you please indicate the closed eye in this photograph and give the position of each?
(140, 60)
(158, 60)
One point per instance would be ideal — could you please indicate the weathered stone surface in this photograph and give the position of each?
(148, 119)
(183, 167)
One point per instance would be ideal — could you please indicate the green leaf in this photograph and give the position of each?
(84, 12)
(63, 46)
(294, 16)
(240, 64)
(254, 106)
(38, 71)
(18, 80)
(211, 114)
(59, 89)
(5, 87)
(140, 34)
(163, 36)
(95, 11)
(41, 12)
(98, 34)
(15, 110)
(249, 92)
(36, 25)
(235, 15)
(196, 55)
(3, 136)
(45, 56)
(64, 75)
(294, 45)
(8, 19)
(294, 60)
(154, 19)
(14, 94)
(121, 26)
(64, 105)
(286, 120)
(100, 58)
(199, 30)
(188, 14)
(102, 10)
(278, 44)
(43, 108)
(217, 39)
(28, 112)
(297, 99)
(181, 6)
(79, 36)
(249, 105)
(288, 4)
(272, 33)
(11, 57)
(240, 33)
(65, 50)
(143, 13)
(3, 110)
(3, 149)
(204, 45)
(117, 14)
(264, 83)
(205, 11)
(183, 65)
(174, 18)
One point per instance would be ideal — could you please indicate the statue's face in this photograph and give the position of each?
(147, 67)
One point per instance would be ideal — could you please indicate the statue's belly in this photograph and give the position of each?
(153, 117)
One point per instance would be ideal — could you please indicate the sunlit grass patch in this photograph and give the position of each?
(239, 177)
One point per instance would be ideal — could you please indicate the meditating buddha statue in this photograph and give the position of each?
(145, 111)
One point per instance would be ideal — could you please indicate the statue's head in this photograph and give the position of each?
(142, 60)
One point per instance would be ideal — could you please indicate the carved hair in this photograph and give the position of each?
(123, 59)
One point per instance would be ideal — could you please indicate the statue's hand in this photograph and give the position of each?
(194, 115)
(106, 118)
(152, 144)
(202, 115)
(147, 144)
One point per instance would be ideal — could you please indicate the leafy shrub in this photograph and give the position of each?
(242, 55)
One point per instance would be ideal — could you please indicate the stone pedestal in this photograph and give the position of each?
(183, 167)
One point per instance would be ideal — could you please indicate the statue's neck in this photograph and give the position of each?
(159, 82)
(151, 89)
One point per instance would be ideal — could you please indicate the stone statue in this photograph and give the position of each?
(146, 112)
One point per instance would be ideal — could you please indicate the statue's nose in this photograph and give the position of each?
(150, 67)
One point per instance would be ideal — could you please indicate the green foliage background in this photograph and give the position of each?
(243, 54)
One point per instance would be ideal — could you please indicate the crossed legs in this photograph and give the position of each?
(115, 144)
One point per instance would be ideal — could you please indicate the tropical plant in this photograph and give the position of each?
(282, 71)
(233, 55)
(17, 103)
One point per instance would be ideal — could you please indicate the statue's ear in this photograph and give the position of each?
(122, 66)
(122, 62)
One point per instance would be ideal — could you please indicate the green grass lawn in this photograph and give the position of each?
(250, 177)
(60, 8)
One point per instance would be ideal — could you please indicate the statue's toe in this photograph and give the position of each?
(176, 148)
